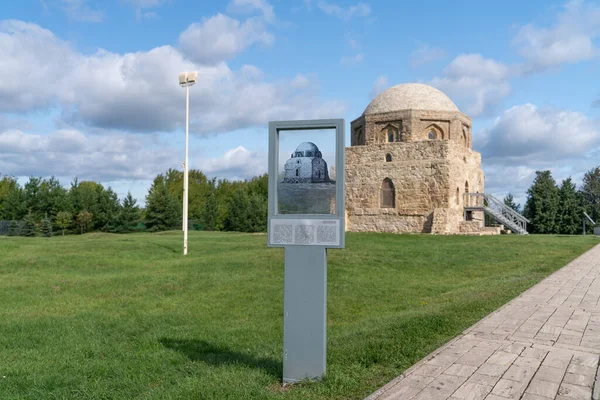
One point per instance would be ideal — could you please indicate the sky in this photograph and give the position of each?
(89, 88)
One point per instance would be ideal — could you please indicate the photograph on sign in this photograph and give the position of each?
(306, 172)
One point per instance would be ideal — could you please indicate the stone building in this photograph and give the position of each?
(306, 165)
(409, 164)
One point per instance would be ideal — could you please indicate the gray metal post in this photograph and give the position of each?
(305, 313)
(584, 227)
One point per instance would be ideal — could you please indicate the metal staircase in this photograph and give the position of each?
(497, 210)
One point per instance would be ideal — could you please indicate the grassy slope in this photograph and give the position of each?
(106, 316)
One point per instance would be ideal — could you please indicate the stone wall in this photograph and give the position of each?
(425, 175)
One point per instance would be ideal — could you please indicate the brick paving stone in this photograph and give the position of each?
(529, 396)
(574, 392)
(483, 379)
(581, 370)
(472, 391)
(545, 344)
(543, 388)
(557, 360)
(461, 370)
(509, 389)
(519, 373)
(581, 380)
(492, 369)
(550, 374)
(502, 358)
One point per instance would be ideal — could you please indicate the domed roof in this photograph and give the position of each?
(410, 96)
(310, 146)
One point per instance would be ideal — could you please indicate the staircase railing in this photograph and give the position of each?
(497, 209)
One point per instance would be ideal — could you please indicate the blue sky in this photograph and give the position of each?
(89, 88)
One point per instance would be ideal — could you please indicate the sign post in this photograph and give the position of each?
(306, 217)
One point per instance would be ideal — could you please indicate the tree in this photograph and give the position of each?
(64, 220)
(238, 212)
(7, 185)
(84, 219)
(210, 213)
(129, 215)
(13, 229)
(15, 207)
(163, 211)
(510, 202)
(569, 214)
(541, 207)
(46, 227)
(591, 193)
(258, 211)
(29, 227)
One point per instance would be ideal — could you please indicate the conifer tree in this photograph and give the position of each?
(541, 207)
(13, 229)
(46, 227)
(29, 227)
(129, 216)
(569, 214)
(591, 193)
(163, 211)
(510, 202)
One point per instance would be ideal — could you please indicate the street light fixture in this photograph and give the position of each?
(186, 79)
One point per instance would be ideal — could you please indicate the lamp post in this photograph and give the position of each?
(186, 79)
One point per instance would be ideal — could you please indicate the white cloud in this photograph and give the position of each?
(220, 38)
(247, 6)
(79, 10)
(237, 163)
(525, 139)
(570, 40)
(139, 91)
(357, 10)
(380, 84)
(142, 5)
(426, 54)
(71, 153)
(34, 62)
(352, 60)
(526, 134)
(478, 83)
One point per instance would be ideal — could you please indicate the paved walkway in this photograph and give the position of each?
(545, 344)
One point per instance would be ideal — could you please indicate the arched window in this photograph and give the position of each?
(297, 172)
(388, 157)
(431, 135)
(388, 194)
(390, 136)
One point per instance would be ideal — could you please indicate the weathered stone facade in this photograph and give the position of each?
(425, 158)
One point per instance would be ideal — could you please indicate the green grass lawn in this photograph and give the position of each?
(105, 316)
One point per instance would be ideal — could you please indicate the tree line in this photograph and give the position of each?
(558, 209)
(42, 207)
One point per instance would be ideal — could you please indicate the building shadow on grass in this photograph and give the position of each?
(200, 350)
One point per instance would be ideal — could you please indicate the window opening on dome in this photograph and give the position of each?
(431, 135)
(388, 158)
